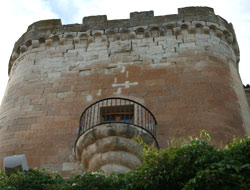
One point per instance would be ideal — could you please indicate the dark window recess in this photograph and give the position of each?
(126, 118)
(109, 118)
(112, 114)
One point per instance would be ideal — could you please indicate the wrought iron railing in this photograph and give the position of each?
(117, 110)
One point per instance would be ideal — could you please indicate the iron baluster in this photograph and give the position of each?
(98, 113)
(94, 115)
(87, 115)
(129, 111)
(120, 109)
(111, 110)
(106, 116)
(90, 117)
(141, 117)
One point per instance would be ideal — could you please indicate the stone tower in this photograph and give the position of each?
(78, 94)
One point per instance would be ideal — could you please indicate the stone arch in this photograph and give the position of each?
(199, 28)
(97, 34)
(42, 40)
(169, 29)
(212, 27)
(28, 43)
(69, 38)
(155, 31)
(83, 37)
(177, 31)
(226, 33)
(184, 28)
(140, 31)
(125, 33)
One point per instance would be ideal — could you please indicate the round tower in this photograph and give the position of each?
(79, 94)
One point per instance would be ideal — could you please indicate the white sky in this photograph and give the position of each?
(17, 15)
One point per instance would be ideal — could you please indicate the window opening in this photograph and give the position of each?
(122, 113)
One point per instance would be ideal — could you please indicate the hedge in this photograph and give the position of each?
(196, 165)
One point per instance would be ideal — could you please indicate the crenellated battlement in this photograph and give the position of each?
(189, 20)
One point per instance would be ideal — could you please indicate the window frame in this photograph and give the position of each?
(118, 111)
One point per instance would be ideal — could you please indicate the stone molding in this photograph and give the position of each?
(111, 147)
(190, 20)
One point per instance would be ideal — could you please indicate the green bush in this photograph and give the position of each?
(195, 165)
(29, 180)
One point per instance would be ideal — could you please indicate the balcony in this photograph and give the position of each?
(106, 134)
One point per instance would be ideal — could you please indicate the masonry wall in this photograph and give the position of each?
(247, 91)
(185, 73)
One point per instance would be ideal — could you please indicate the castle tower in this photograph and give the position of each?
(78, 94)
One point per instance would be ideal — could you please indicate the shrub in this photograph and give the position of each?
(195, 165)
(32, 179)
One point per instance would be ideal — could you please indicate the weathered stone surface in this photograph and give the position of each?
(111, 147)
(185, 73)
(247, 91)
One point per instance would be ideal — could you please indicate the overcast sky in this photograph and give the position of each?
(17, 15)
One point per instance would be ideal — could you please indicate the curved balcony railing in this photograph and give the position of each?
(117, 110)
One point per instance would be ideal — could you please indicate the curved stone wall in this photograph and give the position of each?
(183, 68)
(51, 32)
(111, 147)
(247, 91)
